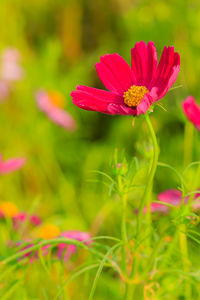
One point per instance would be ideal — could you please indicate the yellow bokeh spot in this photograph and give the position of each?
(56, 99)
(49, 231)
(134, 95)
(9, 209)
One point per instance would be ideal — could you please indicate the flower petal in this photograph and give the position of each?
(144, 104)
(167, 72)
(94, 99)
(121, 109)
(62, 118)
(11, 165)
(56, 114)
(192, 111)
(115, 73)
(171, 196)
(144, 63)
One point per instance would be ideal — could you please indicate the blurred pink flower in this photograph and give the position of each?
(172, 197)
(11, 165)
(192, 111)
(32, 255)
(10, 69)
(52, 103)
(68, 250)
(21, 217)
(35, 220)
(132, 90)
(63, 249)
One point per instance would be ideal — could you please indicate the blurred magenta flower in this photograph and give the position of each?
(52, 103)
(192, 111)
(64, 250)
(131, 90)
(44, 232)
(67, 250)
(172, 197)
(11, 165)
(32, 255)
(10, 69)
(22, 217)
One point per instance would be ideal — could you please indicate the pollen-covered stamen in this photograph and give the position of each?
(134, 95)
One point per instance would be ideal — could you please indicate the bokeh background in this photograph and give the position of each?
(59, 43)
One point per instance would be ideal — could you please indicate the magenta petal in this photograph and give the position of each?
(144, 104)
(172, 197)
(94, 99)
(71, 249)
(35, 220)
(118, 109)
(144, 63)
(196, 204)
(192, 111)
(77, 235)
(65, 250)
(11, 165)
(115, 73)
(167, 72)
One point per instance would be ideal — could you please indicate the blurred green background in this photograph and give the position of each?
(60, 42)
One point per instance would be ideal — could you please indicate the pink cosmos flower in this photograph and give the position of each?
(68, 250)
(52, 105)
(172, 197)
(132, 90)
(10, 69)
(11, 165)
(192, 111)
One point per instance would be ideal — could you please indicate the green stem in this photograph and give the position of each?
(123, 223)
(146, 197)
(123, 228)
(130, 292)
(185, 260)
(188, 143)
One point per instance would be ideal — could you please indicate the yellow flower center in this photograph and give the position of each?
(134, 95)
(9, 209)
(56, 99)
(49, 231)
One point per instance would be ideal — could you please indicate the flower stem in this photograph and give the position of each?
(146, 197)
(188, 143)
(123, 196)
(184, 252)
(123, 231)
